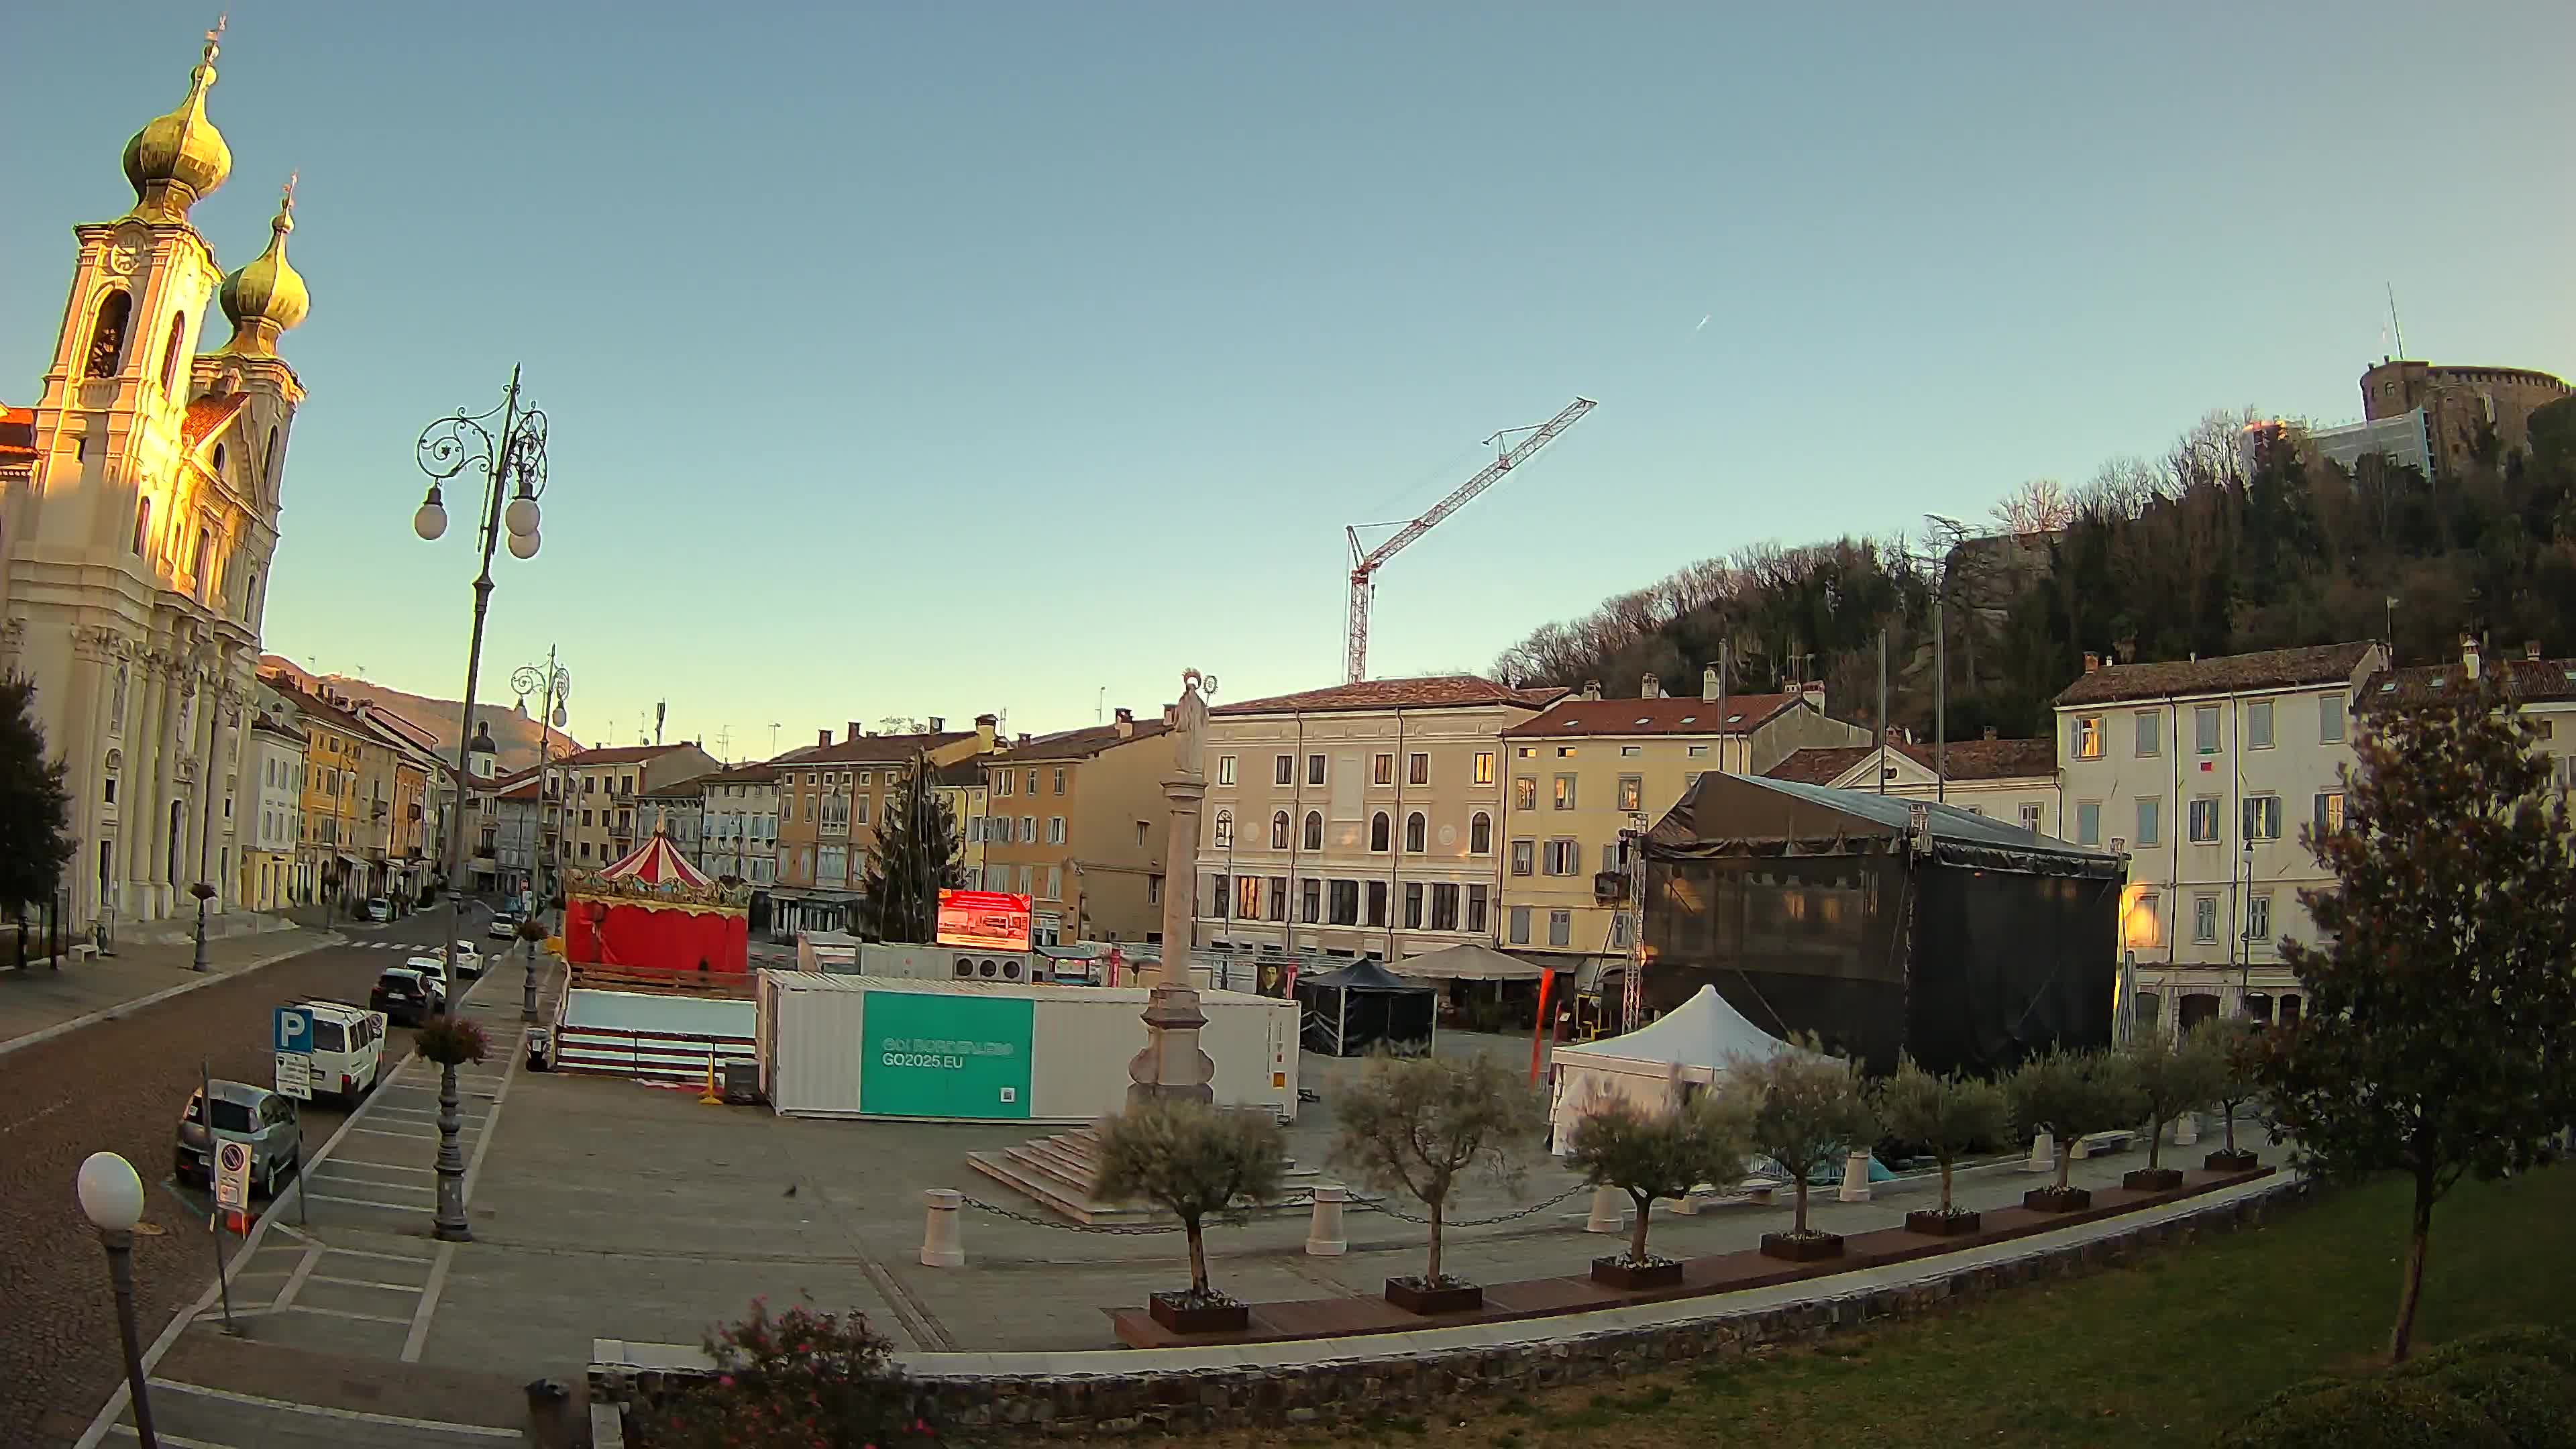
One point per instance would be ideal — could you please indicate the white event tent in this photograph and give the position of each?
(1657, 1065)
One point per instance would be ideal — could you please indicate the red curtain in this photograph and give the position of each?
(637, 937)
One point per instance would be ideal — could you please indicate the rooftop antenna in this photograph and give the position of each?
(661, 707)
(773, 739)
(2394, 325)
(1100, 706)
(724, 743)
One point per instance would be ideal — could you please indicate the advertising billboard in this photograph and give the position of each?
(946, 1056)
(983, 920)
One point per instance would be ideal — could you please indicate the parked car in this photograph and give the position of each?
(505, 926)
(434, 968)
(407, 997)
(243, 1113)
(469, 961)
(379, 909)
(348, 1048)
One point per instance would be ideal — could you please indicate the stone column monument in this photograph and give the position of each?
(1172, 1064)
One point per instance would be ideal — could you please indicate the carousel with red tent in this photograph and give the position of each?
(653, 911)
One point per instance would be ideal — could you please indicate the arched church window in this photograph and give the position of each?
(268, 468)
(219, 460)
(142, 523)
(170, 350)
(107, 334)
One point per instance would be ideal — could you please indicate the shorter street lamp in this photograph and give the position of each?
(111, 1197)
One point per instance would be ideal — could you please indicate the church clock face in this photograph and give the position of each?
(125, 254)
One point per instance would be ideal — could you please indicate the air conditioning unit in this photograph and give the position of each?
(1609, 886)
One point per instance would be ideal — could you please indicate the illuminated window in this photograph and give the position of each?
(1524, 792)
(2085, 740)
(1632, 793)
(1484, 767)
(1382, 769)
(1565, 792)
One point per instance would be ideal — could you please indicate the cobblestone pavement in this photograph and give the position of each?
(119, 1085)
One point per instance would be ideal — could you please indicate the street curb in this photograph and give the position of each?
(65, 1028)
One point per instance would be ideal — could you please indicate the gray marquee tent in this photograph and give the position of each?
(1363, 1006)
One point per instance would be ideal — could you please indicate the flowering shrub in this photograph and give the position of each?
(798, 1379)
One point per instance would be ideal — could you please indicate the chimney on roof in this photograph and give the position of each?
(2126, 649)
(938, 724)
(985, 725)
(2469, 655)
(1592, 689)
(1125, 724)
(1990, 732)
(822, 737)
(2092, 661)
(1709, 688)
(2531, 650)
(1024, 737)
(1651, 687)
(856, 732)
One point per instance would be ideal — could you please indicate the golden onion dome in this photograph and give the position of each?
(174, 161)
(267, 297)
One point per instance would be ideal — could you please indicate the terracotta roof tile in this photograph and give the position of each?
(2536, 680)
(756, 774)
(620, 754)
(2227, 674)
(206, 417)
(1438, 691)
(1083, 743)
(17, 438)
(876, 749)
(1968, 760)
(1693, 716)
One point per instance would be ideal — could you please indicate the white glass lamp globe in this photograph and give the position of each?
(111, 1196)
(523, 545)
(431, 521)
(521, 517)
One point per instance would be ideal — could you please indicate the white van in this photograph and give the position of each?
(348, 1049)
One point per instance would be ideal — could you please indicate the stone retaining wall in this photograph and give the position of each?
(1424, 1379)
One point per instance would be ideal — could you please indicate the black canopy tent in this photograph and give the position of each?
(1881, 924)
(1363, 1006)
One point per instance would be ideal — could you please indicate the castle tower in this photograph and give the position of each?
(134, 565)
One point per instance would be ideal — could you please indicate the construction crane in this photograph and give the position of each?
(1365, 562)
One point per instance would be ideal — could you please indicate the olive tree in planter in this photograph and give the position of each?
(2238, 1048)
(2073, 1094)
(1194, 1162)
(1951, 1116)
(2173, 1076)
(1805, 1110)
(451, 1041)
(1416, 1125)
(1662, 1155)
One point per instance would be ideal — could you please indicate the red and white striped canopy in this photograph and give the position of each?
(656, 863)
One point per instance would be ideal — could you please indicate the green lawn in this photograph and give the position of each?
(2162, 1352)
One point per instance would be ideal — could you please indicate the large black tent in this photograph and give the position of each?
(1881, 924)
(1363, 1006)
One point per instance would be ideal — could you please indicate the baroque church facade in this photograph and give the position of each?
(137, 554)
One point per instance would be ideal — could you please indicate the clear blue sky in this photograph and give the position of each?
(928, 359)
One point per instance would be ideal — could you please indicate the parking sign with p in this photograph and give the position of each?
(294, 1030)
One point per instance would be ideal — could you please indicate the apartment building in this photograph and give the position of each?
(505, 832)
(1358, 820)
(2546, 689)
(2010, 780)
(677, 809)
(831, 798)
(2202, 771)
(1581, 771)
(599, 804)
(964, 790)
(739, 827)
(328, 840)
(1078, 822)
(274, 765)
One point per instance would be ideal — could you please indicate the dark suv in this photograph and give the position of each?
(406, 997)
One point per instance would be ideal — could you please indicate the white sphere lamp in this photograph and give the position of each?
(111, 1195)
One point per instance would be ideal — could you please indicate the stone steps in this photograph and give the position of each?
(1057, 1173)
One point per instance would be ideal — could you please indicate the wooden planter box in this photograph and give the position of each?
(1616, 1271)
(2057, 1200)
(1411, 1295)
(1175, 1312)
(2225, 1161)
(2152, 1179)
(1937, 1224)
(1814, 1248)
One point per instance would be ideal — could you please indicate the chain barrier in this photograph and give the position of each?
(1114, 1230)
(1381, 1207)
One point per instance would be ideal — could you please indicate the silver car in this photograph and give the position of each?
(243, 1113)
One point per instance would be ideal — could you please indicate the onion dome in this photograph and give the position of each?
(174, 161)
(267, 297)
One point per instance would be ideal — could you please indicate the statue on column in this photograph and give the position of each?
(1173, 1065)
(1189, 726)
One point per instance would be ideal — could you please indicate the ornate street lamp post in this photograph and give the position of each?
(556, 684)
(513, 458)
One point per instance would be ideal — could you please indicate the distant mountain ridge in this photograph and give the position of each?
(518, 738)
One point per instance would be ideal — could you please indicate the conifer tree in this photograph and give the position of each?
(917, 855)
(35, 808)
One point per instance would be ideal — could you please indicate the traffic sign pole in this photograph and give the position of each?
(214, 1221)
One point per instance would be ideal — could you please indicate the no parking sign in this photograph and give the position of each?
(232, 1175)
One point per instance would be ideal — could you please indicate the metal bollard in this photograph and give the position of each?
(1608, 1215)
(2186, 1129)
(1855, 1178)
(939, 1245)
(2043, 1154)
(1324, 1230)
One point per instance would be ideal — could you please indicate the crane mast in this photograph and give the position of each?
(1366, 561)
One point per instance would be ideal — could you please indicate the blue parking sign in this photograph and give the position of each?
(294, 1030)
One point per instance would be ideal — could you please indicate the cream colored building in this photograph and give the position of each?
(1580, 773)
(602, 817)
(2202, 772)
(1078, 822)
(2009, 780)
(831, 799)
(1358, 820)
(963, 788)
(740, 827)
(136, 554)
(274, 811)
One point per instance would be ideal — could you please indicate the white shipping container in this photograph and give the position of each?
(816, 1055)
